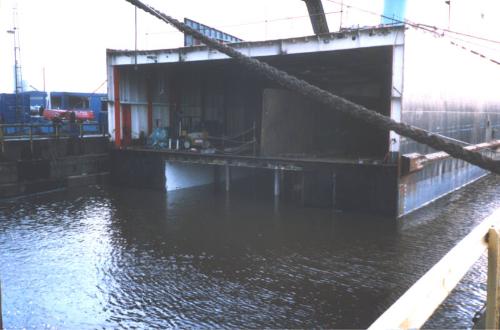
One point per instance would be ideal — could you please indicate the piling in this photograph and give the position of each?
(276, 182)
(2, 139)
(334, 190)
(493, 289)
(228, 178)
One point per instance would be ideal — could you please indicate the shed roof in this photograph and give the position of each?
(345, 39)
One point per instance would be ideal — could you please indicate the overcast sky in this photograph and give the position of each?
(69, 37)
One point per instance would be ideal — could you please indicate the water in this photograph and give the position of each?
(108, 257)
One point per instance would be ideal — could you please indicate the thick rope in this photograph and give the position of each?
(332, 101)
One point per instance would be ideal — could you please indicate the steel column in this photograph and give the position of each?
(277, 182)
(116, 89)
(150, 108)
(228, 177)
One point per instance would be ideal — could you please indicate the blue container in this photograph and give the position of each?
(8, 108)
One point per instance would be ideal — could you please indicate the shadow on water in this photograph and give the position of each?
(114, 257)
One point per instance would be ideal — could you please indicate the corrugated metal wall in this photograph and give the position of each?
(450, 91)
(137, 88)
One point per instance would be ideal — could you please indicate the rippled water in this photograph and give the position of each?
(106, 257)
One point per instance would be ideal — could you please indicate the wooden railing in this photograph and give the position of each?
(1, 320)
(418, 304)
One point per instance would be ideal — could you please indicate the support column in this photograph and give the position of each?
(216, 178)
(493, 292)
(116, 92)
(334, 190)
(228, 177)
(396, 99)
(173, 101)
(150, 109)
(277, 182)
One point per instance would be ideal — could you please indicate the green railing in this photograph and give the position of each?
(54, 130)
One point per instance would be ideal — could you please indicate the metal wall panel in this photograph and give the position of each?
(450, 91)
(139, 120)
(209, 32)
(133, 86)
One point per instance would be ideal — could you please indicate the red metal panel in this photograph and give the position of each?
(116, 86)
(127, 125)
(64, 114)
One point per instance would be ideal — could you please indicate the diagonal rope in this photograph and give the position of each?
(335, 102)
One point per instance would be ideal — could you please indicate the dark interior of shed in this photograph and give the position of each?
(225, 99)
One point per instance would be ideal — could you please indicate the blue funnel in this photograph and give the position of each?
(394, 12)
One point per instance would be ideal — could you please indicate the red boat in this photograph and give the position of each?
(81, 115)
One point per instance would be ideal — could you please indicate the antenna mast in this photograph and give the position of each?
(18, 77)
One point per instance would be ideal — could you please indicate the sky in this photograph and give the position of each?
(68, 38)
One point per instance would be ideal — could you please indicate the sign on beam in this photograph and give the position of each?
(218, 35)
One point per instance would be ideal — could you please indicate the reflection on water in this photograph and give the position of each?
(110, 257)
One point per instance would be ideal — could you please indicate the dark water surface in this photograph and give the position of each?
(108, 257)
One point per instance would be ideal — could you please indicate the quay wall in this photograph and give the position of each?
(48, 164)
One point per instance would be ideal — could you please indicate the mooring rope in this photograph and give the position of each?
(333, 101)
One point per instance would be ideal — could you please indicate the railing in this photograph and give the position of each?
(418, 304)
(415, 162)
(237, 144)
(32, 132)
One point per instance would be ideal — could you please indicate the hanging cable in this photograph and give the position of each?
(431, 29)
(102, 84)
(417, 25)
(280, 19)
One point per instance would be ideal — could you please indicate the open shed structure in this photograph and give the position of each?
(331, 159)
